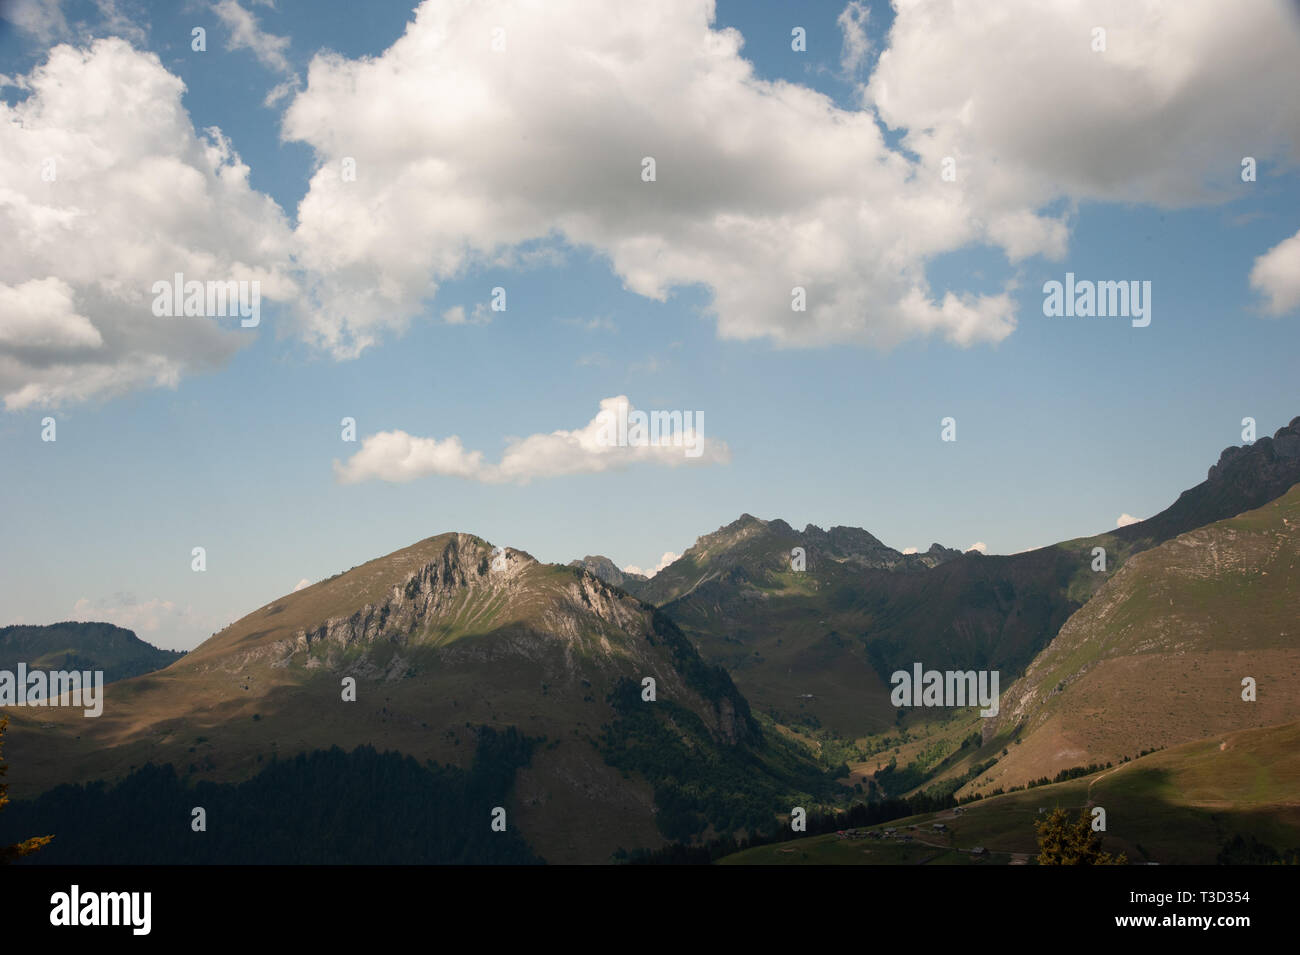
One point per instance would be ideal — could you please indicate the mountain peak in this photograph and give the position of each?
(1244, 478)
(602, 567)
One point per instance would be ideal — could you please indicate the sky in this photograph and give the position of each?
(918, 170)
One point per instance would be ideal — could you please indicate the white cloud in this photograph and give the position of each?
(39, 315)
(761, 186)
(1276, 274)
(301, 585)
(980, 546)
(45, 22)
(247, 34)
(1124, 520)
(124, 610)
(855, 45)
(664, 561)
(1014, 92)
(43, 19)
(119, 23)
(456, 315)
(909, 550)
(137, 195)
(398, 457)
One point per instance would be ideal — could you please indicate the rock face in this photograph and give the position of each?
(469, 603)
(1244, 477)
(1268, 457)
(608, 571)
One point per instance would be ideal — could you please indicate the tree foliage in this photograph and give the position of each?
(326, 807)
(1062, 842)
(27, 846)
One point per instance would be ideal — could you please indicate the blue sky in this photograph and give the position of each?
(1063, 424)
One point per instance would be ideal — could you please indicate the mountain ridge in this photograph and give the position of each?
(82, 645)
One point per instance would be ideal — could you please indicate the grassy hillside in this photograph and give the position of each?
(1231, 798)
(1158, 656)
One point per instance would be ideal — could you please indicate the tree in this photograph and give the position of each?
(1062, 842)
(27, 846)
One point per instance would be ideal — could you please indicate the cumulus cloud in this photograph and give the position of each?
(664, 561)
(610, 441)
(760, 186)
(909, 550)
(1124, 520)
(301, 585)
(106, 188)
(39, 316)
(464, 159)
(1016, 94)
(1276, 275)
(980, 546)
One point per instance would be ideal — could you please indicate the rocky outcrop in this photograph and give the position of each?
(1244, 478)
(608, 571)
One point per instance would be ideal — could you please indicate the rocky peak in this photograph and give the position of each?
(608, 571)
(1281, 450)
(1245, 477)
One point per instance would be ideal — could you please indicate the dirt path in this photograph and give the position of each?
(1108, 772)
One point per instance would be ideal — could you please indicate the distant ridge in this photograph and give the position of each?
(1245, 477)
(608, 571)
(72, 645)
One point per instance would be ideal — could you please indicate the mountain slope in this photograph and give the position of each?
(1158, 656)
(82, 646)
(817, 647)
(1233, 798)
(444, 638)
(1245, 477)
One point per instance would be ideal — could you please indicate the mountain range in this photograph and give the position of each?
(743, 679)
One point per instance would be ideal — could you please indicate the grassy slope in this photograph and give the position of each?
(1157, 657)
(1177, 806)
